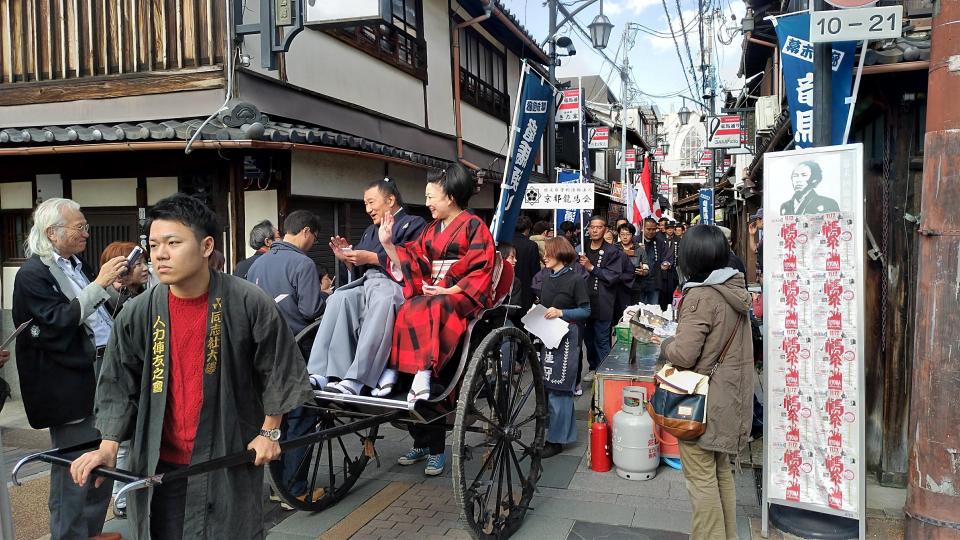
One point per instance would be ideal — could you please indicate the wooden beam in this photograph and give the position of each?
(900, 67)
(111, 86)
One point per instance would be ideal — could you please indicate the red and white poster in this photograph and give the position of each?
(569, 110)
(813, 313)
(598, 137)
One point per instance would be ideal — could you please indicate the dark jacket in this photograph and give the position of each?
(812, 203)
(291, 279)
(56, 354)
(528, 264)
(707, 318)
(243, 267)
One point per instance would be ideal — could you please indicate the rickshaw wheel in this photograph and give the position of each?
(327, 468)
(498, 434)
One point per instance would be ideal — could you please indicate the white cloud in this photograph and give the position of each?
(638, 6)
(612, 8)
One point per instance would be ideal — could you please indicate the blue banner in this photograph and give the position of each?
(530, 120)
(793, 33)
(706, 207)
(566, 214)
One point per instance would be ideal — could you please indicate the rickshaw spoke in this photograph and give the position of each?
(316, 468)
(515, 412)
(333, 478)
(527, 421)
(486, 462)
(516, 463)
(523, 369)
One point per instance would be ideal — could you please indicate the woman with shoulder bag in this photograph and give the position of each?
(713, 338)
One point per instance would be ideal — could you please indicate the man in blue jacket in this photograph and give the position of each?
(289, 276)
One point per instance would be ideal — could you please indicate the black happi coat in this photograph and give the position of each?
(252, 368)
(612, 270)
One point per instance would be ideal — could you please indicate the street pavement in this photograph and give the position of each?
(392, 501)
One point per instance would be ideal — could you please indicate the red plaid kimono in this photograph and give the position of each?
(429, 328)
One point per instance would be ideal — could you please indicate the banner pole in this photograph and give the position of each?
(497, 216)
(852, 100)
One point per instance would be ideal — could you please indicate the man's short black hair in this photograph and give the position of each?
(649, 220)
(298, 219)
(627, 227)
(260, 233)
(189, 211)
(387, 188)
(457, 182)
(524, 223)
(598, 217)
(568, 226)
(703, 249)
(664, 220)
(541, 227)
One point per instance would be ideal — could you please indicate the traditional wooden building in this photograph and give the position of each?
(117, 104)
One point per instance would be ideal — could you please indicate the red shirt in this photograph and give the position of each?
(188, 331)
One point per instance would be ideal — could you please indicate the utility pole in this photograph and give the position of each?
(628, 35)
(710, 90)
(551, 158)
(933, 492)
(822, 88)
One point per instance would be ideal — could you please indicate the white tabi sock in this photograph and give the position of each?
(420, 389)
(318, 382)
(351, 384)
(385, 385)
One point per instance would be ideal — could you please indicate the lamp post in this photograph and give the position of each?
(599, 35)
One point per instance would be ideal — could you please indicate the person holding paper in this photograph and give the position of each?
(564, 294)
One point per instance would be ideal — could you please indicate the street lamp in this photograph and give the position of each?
(684, 114)
(600, 30)
(666, 148)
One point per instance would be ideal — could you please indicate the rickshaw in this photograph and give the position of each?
(491, 397)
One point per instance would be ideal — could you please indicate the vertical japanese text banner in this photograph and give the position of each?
(793, 33)
(566, 214)
(530, 119)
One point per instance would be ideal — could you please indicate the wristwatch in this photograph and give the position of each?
(272, 434)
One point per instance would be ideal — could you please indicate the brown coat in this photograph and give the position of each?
(707, 319)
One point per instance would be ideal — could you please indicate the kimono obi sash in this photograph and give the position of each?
(440, 267)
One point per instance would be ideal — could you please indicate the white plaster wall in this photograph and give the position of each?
(160, 187)
(320, 174)
(437, 30)
(258, 206)
(122, 109)
(6, 284)
(49, 186)
(485, 130)
(16, 195)
(105, 192)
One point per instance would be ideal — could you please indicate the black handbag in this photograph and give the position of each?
(679, 404)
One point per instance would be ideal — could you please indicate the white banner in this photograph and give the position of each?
(569, 110)
(814, 330)
(556, 196)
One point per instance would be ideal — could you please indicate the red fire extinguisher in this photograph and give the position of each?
(599, 444)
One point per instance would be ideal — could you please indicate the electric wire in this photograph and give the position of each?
(676, 45)
(686, 44)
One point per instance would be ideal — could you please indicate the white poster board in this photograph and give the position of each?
(569, 110)
(557, 196)
(814, 455)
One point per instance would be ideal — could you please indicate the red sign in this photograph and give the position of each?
(598, 137)
(851, 3)
(658, 154)
(569, 110)
(706, 158)
(631, 158)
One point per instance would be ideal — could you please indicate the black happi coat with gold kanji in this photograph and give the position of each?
(252, 368)
(612, 269)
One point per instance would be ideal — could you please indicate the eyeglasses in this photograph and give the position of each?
(84, 227)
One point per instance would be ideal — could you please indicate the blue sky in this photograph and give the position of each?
(654, 64)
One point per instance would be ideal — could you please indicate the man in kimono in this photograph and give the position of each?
(805, 200)
(199, 367)
(353, 342)
(609, 269)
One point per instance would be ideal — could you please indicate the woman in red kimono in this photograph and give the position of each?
(446, 277)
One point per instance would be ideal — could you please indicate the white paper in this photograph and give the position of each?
(550, 331)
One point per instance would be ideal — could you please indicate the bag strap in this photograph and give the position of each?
(726, 346)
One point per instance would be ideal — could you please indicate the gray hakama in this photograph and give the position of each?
(353, 341)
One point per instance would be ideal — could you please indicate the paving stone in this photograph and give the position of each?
(678, 520)
(416, 504)
(579, 495)
(583, 530)
(433, 520)
(407, 527)
(459, 534)
(583, 510)
(390, 533)
(432, 530)
(544, 527)
(400, 518)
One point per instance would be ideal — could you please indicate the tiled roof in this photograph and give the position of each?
(500, 5)
(222, 128)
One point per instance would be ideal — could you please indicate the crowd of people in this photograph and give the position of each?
(173, 363)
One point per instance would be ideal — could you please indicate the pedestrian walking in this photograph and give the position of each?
(660, 260)
(59, 355)
(564, 294)
(714, 311)
(221, 371)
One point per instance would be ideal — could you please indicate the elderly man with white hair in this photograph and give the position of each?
(58, 355)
